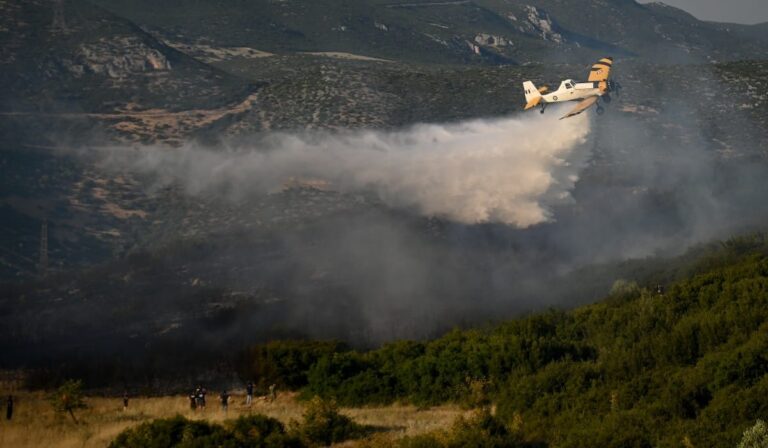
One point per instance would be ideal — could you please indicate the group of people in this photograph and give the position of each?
(197, 397)
(272, 396)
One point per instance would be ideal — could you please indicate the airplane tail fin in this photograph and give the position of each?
(532, 95)
(531, 91)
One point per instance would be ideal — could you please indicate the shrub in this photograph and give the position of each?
(623, 290)
(323, 424)
(756, 436)
(284, 363)
(480, 430)
(176, 432)
(68, 398)
(259, 431)
(255, 431)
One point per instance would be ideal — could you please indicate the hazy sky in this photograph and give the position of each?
(736, 11)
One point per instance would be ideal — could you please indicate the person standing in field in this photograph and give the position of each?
(201, 398)
(9, 408)
(249, 393)
(125, 401)
(224, 401)
(193, 401)
(272, 393)
(198, 396)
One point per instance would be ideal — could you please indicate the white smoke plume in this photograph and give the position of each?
(509, 170)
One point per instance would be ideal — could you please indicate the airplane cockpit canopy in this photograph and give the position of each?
(567, 84)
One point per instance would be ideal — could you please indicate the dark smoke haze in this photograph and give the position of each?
(520, 203)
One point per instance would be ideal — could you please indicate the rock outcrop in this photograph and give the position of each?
(491, 40)
(540, 23)
(118, 57)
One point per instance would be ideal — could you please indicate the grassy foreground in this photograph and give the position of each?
(35, 424)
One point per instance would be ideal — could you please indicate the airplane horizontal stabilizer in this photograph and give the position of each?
(533, 103)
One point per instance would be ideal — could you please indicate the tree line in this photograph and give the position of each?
(686, 364)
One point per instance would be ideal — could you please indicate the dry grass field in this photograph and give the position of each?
(35, 424)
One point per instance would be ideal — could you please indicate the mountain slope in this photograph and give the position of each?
(644, 368)
(481, 31)
(74, 57)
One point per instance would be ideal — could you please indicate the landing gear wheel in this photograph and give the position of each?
(541, 111)
(600, 110)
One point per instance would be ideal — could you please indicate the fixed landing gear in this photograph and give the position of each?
(543, 108)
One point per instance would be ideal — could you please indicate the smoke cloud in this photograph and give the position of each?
(553, 197)
(510, 170)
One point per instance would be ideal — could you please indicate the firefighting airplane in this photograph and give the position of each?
(598, 87)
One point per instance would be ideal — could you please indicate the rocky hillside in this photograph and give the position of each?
(78, 76)
(71, 56)
(462, 31)
(94, 214)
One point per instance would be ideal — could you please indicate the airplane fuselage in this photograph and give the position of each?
(573, 91)
(589, 93)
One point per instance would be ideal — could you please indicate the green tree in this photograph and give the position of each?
(625, 290)
(69, 397)
(323, 424)
(253, 431)
(755, 437)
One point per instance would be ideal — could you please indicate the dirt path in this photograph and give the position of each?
(154, 124)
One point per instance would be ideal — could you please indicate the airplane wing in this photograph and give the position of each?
(601, 70)
(581, 107)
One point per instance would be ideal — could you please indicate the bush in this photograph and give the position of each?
(259, 431)
(284, 363)
(68, 398)
(480, 430)
(323, 425)
(255, 431)
(623, 290)
(756, 436)
(176, 432)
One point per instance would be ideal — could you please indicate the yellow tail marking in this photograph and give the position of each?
(533, 103)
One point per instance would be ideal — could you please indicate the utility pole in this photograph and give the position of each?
(59, 24)
(43, 265)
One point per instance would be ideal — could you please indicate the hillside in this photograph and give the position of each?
(133, 263)
(181, 161)
(77, 75)
(75, 57)
(479, 31)
(718, 110)
(642, 368)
